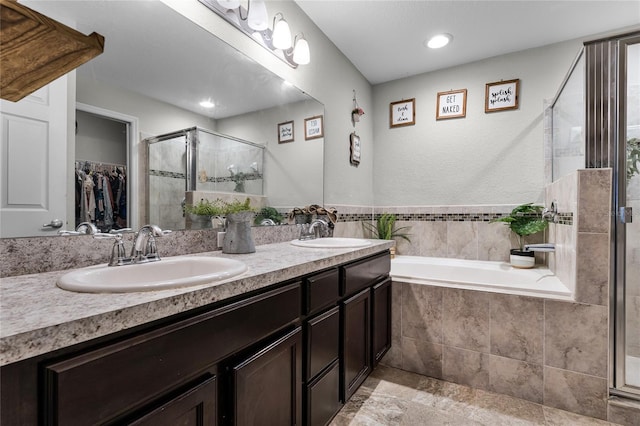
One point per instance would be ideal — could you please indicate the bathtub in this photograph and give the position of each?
(495, 277)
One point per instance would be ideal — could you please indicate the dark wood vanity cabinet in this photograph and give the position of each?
(289, 355)
(381, 320)
(267, 386)
(124, 381)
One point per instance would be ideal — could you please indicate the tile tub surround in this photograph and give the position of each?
(461, 232)
(57, 318)
(553, 353)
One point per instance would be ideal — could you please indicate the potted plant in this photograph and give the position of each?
(633, 157)
(268, 214)
(239, 216)
(385, 229)
(201, 213)
(356, 113)
(524, 220)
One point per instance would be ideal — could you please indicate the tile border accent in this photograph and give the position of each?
(564, 218)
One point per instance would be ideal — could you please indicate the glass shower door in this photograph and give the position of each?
(628, 285)
(633, 229)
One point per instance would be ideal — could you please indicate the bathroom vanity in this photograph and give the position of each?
(287, 342)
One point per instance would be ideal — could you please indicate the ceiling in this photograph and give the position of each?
(384, 38)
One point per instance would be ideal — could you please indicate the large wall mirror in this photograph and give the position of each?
(156, 68)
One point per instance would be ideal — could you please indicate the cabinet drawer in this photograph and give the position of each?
(365, 272)
(323, 397)
(109, 382)
(323, 341)
(321, 291)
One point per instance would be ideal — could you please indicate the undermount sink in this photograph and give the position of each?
(171, 272)
(332, 243)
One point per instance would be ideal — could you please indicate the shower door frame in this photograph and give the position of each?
(618, 383)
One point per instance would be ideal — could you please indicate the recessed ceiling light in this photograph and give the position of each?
(206, 104)
(439, 40)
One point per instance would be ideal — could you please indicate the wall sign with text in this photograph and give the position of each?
(451, 104)
(501, 95)
(402, 113)
(285, 132)
(313, 128)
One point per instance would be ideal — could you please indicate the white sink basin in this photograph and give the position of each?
(332, 243)
(168, 273)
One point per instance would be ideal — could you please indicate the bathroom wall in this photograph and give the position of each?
(486, 158)
(547, 351)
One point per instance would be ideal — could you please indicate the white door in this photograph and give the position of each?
(33, 163)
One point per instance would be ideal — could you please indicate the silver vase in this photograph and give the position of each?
(238, 238)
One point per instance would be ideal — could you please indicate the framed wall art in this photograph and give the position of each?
(313, 127)
(402, 113)
(451, 104)
(501, 95)
(354, 143)
(285, 132)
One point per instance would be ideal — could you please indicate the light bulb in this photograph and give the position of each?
(439, 41)
(281, 33)
(301, 53)
(257, 17)
(229, 4)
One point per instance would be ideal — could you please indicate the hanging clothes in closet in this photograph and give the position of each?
(101, 195)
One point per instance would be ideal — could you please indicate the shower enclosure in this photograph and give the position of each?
(596, 123)
(194, 163)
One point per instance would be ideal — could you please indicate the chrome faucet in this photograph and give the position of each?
(550, 214)
(144, 244)
(544, 247)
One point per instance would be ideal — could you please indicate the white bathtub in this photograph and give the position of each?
(496, 277)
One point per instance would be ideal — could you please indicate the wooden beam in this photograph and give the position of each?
(35, 50)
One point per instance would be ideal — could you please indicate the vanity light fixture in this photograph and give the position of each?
(253, 22)
(257, 17)
(281, 33)
(301, 54)
(438, 41)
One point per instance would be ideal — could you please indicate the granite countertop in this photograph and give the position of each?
(37, 317)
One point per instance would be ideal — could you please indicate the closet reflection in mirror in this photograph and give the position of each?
(158, 75)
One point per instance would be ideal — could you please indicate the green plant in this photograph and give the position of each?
(526, 219)
(633, 157)
(268, 213)
(205, 208)
(385, 228)
(236, 206)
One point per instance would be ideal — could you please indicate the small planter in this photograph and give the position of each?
(238, 238)
(199, 221)
(522, 259)
(355, 117)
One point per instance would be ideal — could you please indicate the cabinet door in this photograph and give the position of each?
(268, 385)
(381, 319)
(323, 342)
(356, 342)
(196, 407)
(323, 397)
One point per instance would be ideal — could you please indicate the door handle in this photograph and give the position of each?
(626, 214)
(55, 223)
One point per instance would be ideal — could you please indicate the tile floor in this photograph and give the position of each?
(394, 397)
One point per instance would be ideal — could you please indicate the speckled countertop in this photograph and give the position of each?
(37, 317)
